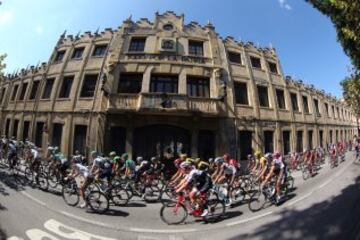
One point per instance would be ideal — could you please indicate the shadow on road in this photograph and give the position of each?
(336, 218)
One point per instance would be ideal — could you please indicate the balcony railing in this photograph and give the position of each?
(176, 103)
(168, 57)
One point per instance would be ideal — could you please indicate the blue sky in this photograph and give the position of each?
(305, 39)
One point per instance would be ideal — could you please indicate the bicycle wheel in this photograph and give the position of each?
(70, 194)
(43, 182)
(290, 181)
(238, 194)
(152, 194)
(305, 172)
(167, 195)
(173, 213)
(216, 209)
(119, 196)
(53, 179)
(257, 201)
(98, 202)
(29, 175)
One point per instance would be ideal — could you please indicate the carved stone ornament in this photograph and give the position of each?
(167, 44)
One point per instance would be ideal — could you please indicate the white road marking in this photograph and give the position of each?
(249, 219)
(69, 232)
(14, 238)
(37, 234)
(84, 219)
(146, 230)
(32, 198)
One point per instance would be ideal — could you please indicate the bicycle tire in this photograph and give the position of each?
(257, 201)
(169, 209)
(43, 182)
(216, 210)
(29, 175)
(152, 194)
(70, 191)
(95, 200)
(53, 180)
(119, 196)
(167, 195)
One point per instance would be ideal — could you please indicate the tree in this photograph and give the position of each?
(351, 93)
(345, 14)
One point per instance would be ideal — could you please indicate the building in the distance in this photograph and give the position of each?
(165, 87)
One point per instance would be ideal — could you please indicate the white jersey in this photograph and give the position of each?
(84, 171)
(195, 172)
(229, 169)
(35, 153)
(278, 162)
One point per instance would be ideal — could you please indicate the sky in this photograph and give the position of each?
(304, 38)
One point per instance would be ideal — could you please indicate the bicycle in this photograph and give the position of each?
(148, 192)
(268, 195)
(114, 192)
(182, 208)
(94, 198)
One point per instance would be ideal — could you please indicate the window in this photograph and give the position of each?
(338, 112)
(316, 104)
(15, 128)
(34, 90)
(80, 139)
(168, 27)
(164, 84)
(299, 141)
(48, 88)
(321, 136)
(2, 95)
(7, 127)
(305, 104)
(23, 91)
(59, 56)
(99, 50)
(130, 83)
(327, 109)
(13, 96)
(137, 45)
(280, 98)
(117, 139)
(286, 142)
(56, 135)
(294, 102)
(331, 136)
(273, 67)
(26, 130)
(234, 57)
(89, 85)
(241, 95)
(66, 87)
(263, 96)
(196, 48)
(268, 141)
(198, 87)
(39, 134)
(310, 138)
(333, 111)
(78, 52)
(255, 62)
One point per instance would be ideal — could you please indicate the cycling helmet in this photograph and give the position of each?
(211, 160)
(249, 156)
(226, 156)
(153, 159)
(93, 154)
(117, 158)
(277, 155)
(219, 160)
(268, 156)
(139, 159)
(56, 150)
(190, 160)
(204, 166)
(125, 156)
(112, 154)
(183, 156)
(185, 165)
(257, 154)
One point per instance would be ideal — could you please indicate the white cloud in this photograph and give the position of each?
(284, 4)
(39, 29)
(6, 17)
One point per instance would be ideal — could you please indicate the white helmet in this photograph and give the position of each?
(185, 165)
(218, 160)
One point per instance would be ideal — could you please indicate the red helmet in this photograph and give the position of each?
(226, 157)
(277, 155)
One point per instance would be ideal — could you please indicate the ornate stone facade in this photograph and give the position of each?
(165, 87)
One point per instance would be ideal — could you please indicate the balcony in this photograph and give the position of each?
(162, 103)
(167, 58)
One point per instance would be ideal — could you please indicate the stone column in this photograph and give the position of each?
(129, 141)
(145, 87)
(182, 82)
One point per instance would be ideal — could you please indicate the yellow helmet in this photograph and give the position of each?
(258, 154)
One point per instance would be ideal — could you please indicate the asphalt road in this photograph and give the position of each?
(323, 207)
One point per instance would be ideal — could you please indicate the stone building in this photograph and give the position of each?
(165, 87)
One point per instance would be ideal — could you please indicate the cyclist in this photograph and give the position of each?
(277, 169)
(264, 166)
(35, 161)
(257, 155)
(226, 172)
(129, 165)
(179, 173)
(78, 157)
(198, 181)
(61, 162)
(143, 166)
(12, 154)
(79, 170)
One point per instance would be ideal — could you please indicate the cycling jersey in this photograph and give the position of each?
(59, 157)
(229, 169)
(130, 164)
(200, 180)
(263, 162)
(35, 154)
(82, 170)
(278, 163)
